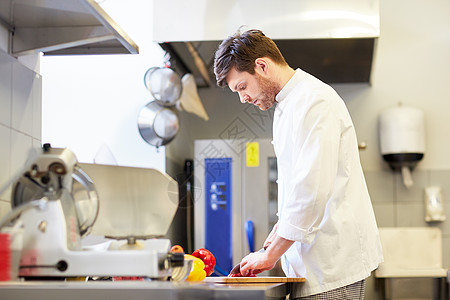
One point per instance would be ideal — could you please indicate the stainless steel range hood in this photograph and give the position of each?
(333, 40)
(57, 27)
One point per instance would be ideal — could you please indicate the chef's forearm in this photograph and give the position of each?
(277, 248)
(271, 236)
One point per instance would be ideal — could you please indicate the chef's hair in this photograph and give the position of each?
(241, 50)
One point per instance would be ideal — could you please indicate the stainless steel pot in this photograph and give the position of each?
(164, 84)
(157, 124)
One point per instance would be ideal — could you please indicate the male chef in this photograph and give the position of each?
(326, 230)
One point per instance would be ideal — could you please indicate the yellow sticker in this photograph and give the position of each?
(253, 154)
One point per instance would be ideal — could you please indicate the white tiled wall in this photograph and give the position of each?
(5, 88)
(20, 120)
(398, 206)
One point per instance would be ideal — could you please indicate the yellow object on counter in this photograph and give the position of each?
(197, 271)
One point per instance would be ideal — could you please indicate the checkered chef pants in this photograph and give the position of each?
(354, 291)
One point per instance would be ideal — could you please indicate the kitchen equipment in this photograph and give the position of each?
(157, 124)
(164, 84)
(434, 204)
(327, 32)
(52, 175)
(409, 253)
(119, 290)
(402, 139)
(250, 230)
(223, 206)
(182, 272)
(32, 26)
(52, 231)
(190, 100)
(137, 203)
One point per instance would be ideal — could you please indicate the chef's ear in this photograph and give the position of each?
(262, 65)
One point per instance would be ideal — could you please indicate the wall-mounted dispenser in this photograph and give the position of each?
(402, 139)
(434, 204)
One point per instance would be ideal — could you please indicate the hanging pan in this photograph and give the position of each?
(157, 124)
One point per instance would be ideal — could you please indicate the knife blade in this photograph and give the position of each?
(237, 268)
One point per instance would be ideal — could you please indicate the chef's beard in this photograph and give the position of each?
(269, 90)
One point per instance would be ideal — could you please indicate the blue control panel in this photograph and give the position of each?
(218, 210)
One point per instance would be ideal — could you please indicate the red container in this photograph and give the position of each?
(5, 257)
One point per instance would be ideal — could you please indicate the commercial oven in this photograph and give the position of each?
(235, 201)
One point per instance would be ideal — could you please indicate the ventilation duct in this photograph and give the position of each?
(333, 40)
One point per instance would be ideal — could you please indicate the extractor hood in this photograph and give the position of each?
(333, 40)
(57, 27)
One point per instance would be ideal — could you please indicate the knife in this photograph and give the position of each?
(237, 268)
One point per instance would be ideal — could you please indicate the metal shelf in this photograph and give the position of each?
(62, 27)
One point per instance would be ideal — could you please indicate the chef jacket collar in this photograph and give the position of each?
(290, 85)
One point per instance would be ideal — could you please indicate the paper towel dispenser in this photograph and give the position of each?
(402, 138)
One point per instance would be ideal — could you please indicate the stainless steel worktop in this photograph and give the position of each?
(137, 290)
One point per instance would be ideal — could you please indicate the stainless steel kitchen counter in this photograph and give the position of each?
(137, 290)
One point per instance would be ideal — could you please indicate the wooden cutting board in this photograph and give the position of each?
(269, 279)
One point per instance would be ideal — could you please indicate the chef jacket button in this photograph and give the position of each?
(276, 181)
(272, 142)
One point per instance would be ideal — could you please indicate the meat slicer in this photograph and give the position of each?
(64, 207)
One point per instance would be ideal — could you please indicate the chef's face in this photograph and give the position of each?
(254, 89)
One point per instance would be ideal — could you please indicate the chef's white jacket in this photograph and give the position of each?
(323, 202)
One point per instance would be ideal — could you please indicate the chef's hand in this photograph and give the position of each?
(256, 262)
(271, 236)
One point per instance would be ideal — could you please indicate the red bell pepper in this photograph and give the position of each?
(208, 258)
